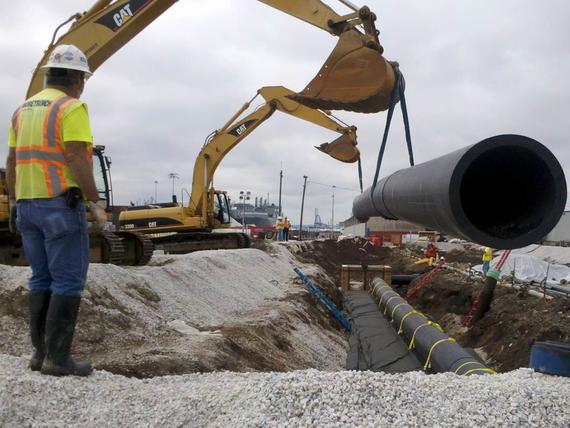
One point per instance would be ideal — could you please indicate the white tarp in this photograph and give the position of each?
(528, 268)
(547, 253)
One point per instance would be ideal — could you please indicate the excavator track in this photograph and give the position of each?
(111, 249)
(138, 248)
(188, 242)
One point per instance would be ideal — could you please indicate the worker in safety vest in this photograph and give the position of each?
(279, 228)
(286, 227)
(431, 253)
(487, 257)
(50, 181)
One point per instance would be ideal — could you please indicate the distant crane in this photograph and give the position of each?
(317, 217)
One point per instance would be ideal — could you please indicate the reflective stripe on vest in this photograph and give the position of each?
(50, 155)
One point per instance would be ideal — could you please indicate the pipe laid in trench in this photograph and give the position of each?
(432, 346)
(504, 192)
(404, 279)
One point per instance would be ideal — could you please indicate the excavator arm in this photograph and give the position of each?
(354, 77)
(101, 31)
(220, 142)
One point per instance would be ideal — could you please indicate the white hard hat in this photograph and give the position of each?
(70, 57)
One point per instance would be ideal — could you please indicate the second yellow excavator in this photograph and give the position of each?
(181, 229)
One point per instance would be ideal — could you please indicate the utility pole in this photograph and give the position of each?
(172, 176)
(332, 228)
(280, 187)
(155, 191)
(302, 207)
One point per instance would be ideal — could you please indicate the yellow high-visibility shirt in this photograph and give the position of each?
(487, 254)
(38, 131)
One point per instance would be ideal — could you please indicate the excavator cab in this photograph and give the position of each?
(101, 172)
(221, 211)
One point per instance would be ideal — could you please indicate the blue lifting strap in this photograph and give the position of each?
(400, 90)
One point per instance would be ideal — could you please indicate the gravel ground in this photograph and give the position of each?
(301, 398)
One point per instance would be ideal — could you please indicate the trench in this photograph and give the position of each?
(290, 331)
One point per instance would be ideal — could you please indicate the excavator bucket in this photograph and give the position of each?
(342, 149)
(354, 77)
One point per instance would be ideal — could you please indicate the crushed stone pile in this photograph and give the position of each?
(210, 310)
(300, 398)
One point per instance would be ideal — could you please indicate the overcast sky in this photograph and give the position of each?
(473, 69)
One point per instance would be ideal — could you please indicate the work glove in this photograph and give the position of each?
(13, 215)
(99, 219)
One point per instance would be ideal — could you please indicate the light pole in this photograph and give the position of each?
(244, 197)
(172, 176)
(155, 191)
(280, 212)
(332, 228)
(302, 207)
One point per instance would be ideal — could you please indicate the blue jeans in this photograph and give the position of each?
(56, 245)
(280, 235)
(486, 266)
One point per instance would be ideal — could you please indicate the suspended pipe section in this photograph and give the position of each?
(504, 192)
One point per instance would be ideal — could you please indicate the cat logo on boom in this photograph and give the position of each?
(119, 16)
(240, 129)
(123, 15)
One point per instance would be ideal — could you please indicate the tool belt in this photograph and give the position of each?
(72, 196)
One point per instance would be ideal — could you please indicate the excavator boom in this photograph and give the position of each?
(201, 214)
(101, 31)
(354, 77)
(234, 131)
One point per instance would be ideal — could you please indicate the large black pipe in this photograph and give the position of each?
(504, 192)
(433, 347)
(404, 279)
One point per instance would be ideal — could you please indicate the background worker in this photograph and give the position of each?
(279, 228)
(487, 257)
(286, 226)
(431, 253)
(49, 173)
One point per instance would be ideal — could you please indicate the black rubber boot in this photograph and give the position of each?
(39, 304)
(60, 327)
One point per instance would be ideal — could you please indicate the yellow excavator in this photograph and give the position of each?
(119, 247)
(208, 208)
(355, 76)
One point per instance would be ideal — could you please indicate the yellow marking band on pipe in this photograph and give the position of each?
(412, 342)
(464, 364)
(430, 323)
(482, 369)
(396, 307)
(388, 301)
(378, 292)
(440, 341)
(380, 302)
(377, 289)
(412, 312)
(436, 325)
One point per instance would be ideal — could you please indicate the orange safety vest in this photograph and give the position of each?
(41, 168)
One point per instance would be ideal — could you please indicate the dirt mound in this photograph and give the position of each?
(506, 333)
(234, 310)
(471, 257)
(331, 254)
